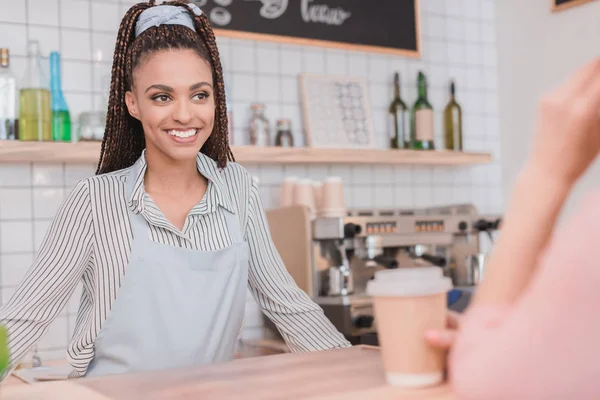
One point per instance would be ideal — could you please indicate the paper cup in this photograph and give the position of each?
(287, 191)
(407, 303)
(332, 203)
(304, 195)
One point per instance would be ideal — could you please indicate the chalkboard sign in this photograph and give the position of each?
(388, 26)
(558, 5)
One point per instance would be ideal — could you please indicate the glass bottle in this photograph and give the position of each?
(398, 119)
(260, 132)
(35, 122)
(284, 136)
(8, 99)
(453, 122)
(422, 119)
(61, 119)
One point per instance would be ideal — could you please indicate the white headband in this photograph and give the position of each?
(166, 14)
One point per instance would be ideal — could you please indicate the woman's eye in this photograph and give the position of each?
(201, 96)
(161, 98)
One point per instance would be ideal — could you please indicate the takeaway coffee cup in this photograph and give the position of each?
(408, 302)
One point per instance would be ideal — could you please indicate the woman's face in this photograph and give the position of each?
(172, 96)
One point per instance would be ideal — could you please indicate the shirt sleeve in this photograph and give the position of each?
(300, 321)
(544, 345)
(50, 281)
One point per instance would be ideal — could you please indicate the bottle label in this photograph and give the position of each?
(455, 121)
(424, 125)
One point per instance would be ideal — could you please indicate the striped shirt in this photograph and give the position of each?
(90, 240)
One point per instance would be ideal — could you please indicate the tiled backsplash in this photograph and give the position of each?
(458, 41)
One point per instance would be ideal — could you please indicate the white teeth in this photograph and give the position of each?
(182, 134)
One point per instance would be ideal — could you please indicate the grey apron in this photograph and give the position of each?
(176, 307)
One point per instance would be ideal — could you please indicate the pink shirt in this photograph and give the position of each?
(547, 345)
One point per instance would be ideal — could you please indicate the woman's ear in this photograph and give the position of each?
(132, 106)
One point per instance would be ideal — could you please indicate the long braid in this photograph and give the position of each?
(121, 146)
(123, 140)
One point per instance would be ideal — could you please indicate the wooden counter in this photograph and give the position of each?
(345, 374)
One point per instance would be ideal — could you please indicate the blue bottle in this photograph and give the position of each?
(61, 118)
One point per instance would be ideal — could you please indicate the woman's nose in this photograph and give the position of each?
(183, 112)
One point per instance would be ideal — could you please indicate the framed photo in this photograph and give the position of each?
(559, 5)
(336, 111)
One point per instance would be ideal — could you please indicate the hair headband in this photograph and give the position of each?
(166, 14)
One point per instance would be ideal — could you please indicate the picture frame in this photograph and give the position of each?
(560, 5)
(336, 111)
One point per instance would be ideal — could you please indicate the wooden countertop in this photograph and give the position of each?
(344, 374)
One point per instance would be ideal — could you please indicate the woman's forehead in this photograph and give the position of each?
(179, 67)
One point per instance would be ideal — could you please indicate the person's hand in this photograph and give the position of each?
(444, 339)
(568, 127)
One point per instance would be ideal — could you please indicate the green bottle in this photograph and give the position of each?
(453, 122)
(61, 119)
(398, 119)
(421, 115)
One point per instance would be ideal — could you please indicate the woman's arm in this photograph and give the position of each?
(565, 144)
(49, 283)
(300, 321)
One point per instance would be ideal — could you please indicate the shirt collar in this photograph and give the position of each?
(217, 193)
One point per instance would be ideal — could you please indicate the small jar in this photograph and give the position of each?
(284, 133)
(260, 133)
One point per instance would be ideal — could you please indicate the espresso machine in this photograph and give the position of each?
(347, 251)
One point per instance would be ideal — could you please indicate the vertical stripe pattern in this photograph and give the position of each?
(90, 239)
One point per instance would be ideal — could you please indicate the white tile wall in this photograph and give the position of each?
(459, 42)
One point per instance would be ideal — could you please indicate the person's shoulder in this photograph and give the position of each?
(108, 181)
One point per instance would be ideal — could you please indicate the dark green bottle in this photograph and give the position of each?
(421, 115)
(398, 119)
(453, 123)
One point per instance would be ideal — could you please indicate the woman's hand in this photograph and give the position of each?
(567, 138)
(444, 339)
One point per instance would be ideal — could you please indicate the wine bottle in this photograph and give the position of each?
(398, 119)
(453, 122)
(421, 134)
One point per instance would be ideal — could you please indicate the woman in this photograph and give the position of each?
(532, 329)
(169, 233)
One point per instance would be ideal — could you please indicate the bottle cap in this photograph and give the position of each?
(284, 124)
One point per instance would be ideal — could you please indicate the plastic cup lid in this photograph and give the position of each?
(420, 281)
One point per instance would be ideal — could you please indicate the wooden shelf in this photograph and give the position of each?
(88, 153)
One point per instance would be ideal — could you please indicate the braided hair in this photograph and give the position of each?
(124, 141)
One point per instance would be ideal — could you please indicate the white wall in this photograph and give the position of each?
(537, 50)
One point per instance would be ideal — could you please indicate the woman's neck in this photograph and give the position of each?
(167, 176)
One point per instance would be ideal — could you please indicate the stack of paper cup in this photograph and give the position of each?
(332, 202)
(304, 195)
(318, 192)
(287, 191)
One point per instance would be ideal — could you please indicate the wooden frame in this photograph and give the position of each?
(326, 43)
(565, 6)
(310, 120)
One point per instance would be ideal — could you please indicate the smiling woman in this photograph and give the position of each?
(170, 233)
